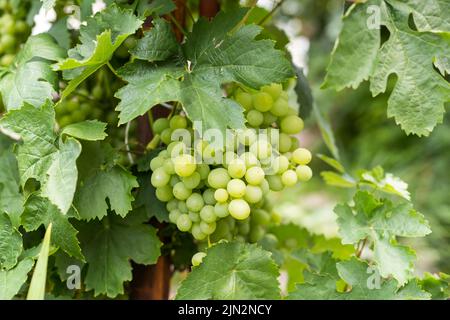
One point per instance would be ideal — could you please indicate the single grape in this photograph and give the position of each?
(264, 185)
(221, 210)
(280, 164)
(169, 167)
(301, 156)
(289, 178)
(166, 136)
(291, 124)
(207, 214)
(174, 180)
(256, 234)
(247, 136)
(269, 119)
(164, 193)
(218, 178)
(260, 217)
(203, 170)
(244, 227)
(173, 215)
(194, 216)
(156, 163)
(198, 258)
(184, 223)
(228, 157)
(254, 175)
(178, 122)
(197, 233)
(176, 148)
(184, 165)
(172, 205)
(182, 207)
(239, 209)
(221, 195)
(192, 181)
(262, 149)
(280, 108)
(237, 168)
(236, 188)
(304, 173)
(207, 228)
(273, 89)
(262, 101)
(244, 99)
(294, 143)
(255, 118)
(160, 124)
(195, 202)
(249, 159)
(253, 194)
(285, 143)
(275, 182)
(208, 196)
(181, 192)
(160, 178)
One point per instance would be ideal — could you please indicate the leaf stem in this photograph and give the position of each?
(270, 13)
(177, 24)
(113, 70)
(361, 247)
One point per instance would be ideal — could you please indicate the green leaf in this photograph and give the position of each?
(326, 131)
(91, 130)
(48, 4)
(61, 33)
(437, 285)
(111, 186)
(100, 37)
(37, 284)
(10, 243)
(248, 272)
(334, 179)
(39, 211)
(31, 80)
(158, 44)
(12, 280)
(332, 162)
(108, 245)
(146, 198)
(304, 93)
(420, 93)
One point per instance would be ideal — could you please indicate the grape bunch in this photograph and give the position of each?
(14, 31)
(219, 191)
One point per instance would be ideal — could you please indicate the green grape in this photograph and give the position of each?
(244, 99)
(182, 207)
(256, 234)
(301, 156)
(203, 170)
(262, 101)
(184, 223)
(274, 89)
(194, 216)
(178, 122)
(289, 178)
(173, 215)
(253, 194)
(184, 165)
(237, 168)
(236, 188)
(208, 196)
(174, 180)
(260, 217)
(197, 233)
(166, 136)
(228, 157)
(195, 202)
(269, 119)
(294, 143)
(218, 178)
(181, 192)
(244, 227)
(221, 195)
(221, 209)
(249, 159)
(160, 124)
(291, 124)
(208, 228)
(160, 178)
(255, 118)
(169, 167)
(239, 209)
(285, 143)
(192, 181)
(164, 193)
(7, 59)
(207, 214)
(275, 182)
(198, 258)
(264, 185)
(247, 136)
(280, 108)
(163, 154)
(254, 175)
(304, 173)
(280, 164)
(261, 149)
(172, 205)
(64, 121)
(157, 162)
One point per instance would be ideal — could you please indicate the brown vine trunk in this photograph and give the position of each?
(153, 282)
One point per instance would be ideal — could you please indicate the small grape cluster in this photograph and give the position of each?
(14, 31)
(220, 191)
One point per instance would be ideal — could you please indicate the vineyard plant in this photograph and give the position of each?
(159, 149)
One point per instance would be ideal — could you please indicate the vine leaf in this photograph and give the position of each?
(381, 221)
(213, 54)
(110, 185)
(420, 93)
(100, 37)
(12, 280)
(248, 272)
(30, 78)
(109, 244)
(39, 211)
(89, 130)
(10, 243)
(146, 198)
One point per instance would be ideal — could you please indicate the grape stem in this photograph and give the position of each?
(113, 70)
(179, 27)
(127, 146)
(269, 14)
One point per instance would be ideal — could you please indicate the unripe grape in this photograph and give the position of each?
(174, 180)
(185, 165)
(236, 188)
(203, 170)
(244, 228)
(262, 101)
(178, 122)
(160, 124)
(280, 164)
(218, 178)
(253, 194)
(244, 99)
(173, 215)
(237, 168)
(169, 167)
(247, 136)
(289, 178)
(249, 159)
(194, 216)
(228, 157)
(166, 136)
(255, 118)
(280, 108)
(207, 228)
(7, 59)
(208, 196)
(221, 210)
(239, 209)
(260, 217)
(221, 195)
(164, 193)
(176, 148)
(273, 89)
(181, 192)
(294, 143)
(254, 175)
(172, 205)
(304, 173)
(207, 214)
(195, 202)
(264, 185)
(156, 163)
(291, 124)
(261, 149)
(275, 182)
(197, 232)
(269, 119)
(198, 258)
(160, 178)
(256, 234)
(184, 223)
(301, 156)
(182, 207)
(192, 181)
(285, 143)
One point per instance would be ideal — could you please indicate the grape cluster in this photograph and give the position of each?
(219, 191)
(14, 31)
